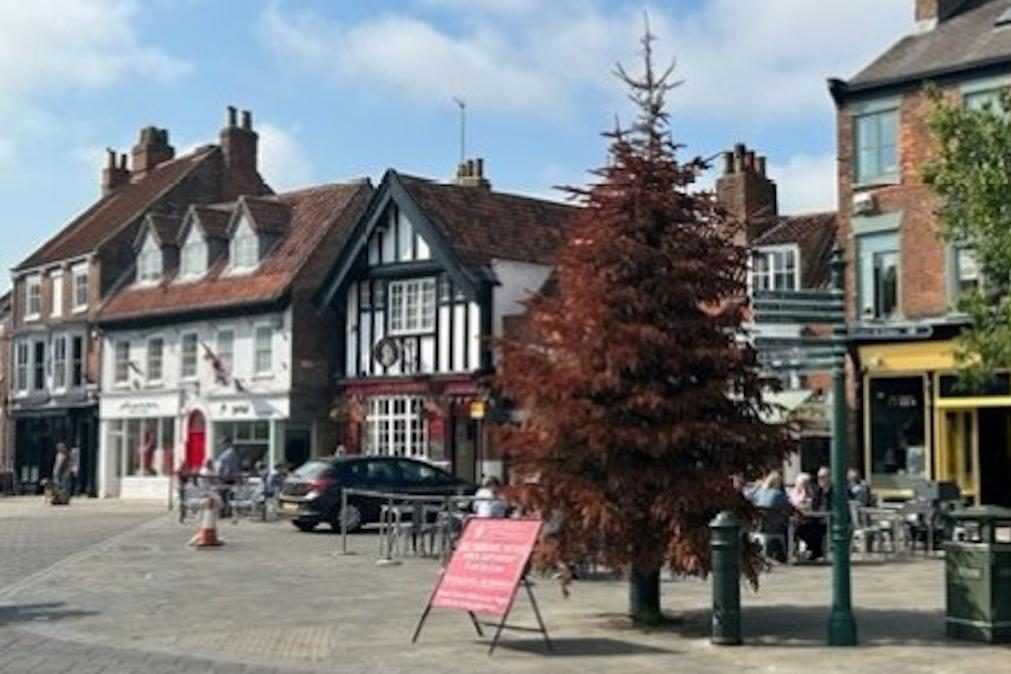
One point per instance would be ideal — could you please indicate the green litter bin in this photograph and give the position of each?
(978, 575)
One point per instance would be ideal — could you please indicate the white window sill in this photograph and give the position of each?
(32, 317)
(81, 309)
(190, 278)
(240, 271)
(876, 181)
(154, 383)
(260, 376)
(191, 379)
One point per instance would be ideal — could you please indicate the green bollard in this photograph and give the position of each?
(725, 546)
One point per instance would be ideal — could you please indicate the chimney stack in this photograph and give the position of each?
(239, 148)
(745, 192)
(152, 148)
(929, 13)
(115, 174)
(471, 174)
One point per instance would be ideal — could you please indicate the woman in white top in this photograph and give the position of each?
(488, 503)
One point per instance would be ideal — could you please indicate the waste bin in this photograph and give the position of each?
(978, 575)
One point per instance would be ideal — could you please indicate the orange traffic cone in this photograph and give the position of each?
(207, 535)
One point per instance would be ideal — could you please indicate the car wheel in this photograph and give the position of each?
(305, 526)
(352, 518)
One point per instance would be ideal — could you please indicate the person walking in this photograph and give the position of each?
(229, 466)
(75, 471)
(61, 475)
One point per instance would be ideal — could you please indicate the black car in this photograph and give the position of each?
(312, 494)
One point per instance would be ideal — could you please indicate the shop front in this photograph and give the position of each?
(921, 422)
(38, 431)
(440, 421)
(257, 426)
(140, 445)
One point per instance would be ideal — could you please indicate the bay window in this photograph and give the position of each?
(59, 363)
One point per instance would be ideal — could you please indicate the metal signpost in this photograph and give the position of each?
(807, 307)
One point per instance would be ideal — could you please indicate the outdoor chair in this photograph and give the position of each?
(771, 534)
(242, 500)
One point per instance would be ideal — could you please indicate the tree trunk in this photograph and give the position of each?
(644, 596)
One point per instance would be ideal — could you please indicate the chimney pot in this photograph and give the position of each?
(110, 159)
(247, 120)
(728, 163)
(122, 161)
(152, 148)
(761, 166)
(480, 167)
(749, 160)
(230, 121)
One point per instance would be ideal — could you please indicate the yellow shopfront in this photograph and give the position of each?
(920, 424)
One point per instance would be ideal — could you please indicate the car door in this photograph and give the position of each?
(421, 478)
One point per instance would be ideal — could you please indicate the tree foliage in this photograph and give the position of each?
(639, 395)
(971, 174)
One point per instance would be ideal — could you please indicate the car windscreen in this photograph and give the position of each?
(312, 469)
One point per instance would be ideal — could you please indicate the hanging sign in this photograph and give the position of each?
(477, 409)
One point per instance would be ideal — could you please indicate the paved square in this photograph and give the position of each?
(274, 599)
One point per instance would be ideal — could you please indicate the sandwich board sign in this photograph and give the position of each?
(485, 571)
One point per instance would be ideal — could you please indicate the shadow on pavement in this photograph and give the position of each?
(581, 647)
(47, 612)
(787, 625)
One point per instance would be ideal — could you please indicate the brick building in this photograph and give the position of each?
(58, 289)
(789, 253)
(902, 279)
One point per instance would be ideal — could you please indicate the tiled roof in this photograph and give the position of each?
(166, 227)
(115, 210)
(967, 39)
(269, 215)
(814, 234)
(481, 225)
(321, 219)
(214, 220)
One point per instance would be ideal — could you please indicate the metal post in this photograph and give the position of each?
(725, 544)
(344, 520)
(842, 628)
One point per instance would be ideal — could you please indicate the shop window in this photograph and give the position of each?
(396, 426)
(188, 361)
(155, 352)
(898, 439)
(412, 306)
(144, 447)
(251, 440)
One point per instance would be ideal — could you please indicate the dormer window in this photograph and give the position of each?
(245, 247)
(193, 257)
(149, 261)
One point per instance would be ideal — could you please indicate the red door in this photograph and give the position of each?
(195, 441)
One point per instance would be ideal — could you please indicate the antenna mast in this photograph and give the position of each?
(462, 104)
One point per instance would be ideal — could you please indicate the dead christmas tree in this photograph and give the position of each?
(639, 396)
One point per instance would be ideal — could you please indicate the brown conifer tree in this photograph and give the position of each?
(639, 396)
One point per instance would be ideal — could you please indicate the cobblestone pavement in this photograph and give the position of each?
(273, 599)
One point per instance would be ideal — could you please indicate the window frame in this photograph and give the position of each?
(149, 368)
(870, 248)
(22, 365)
(79, 272)
(245, 250)
(121, 362)
(259, 350)
(56, 294)
(771, 272)
(404, 319)
(396, 422)
(150, 262)
(876, 113)
(37, 375)
(184, 373)
(226, 358)
(193, 257)
(60, 362)
(33, 296)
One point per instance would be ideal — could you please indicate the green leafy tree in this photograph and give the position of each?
(640, 397)
(971, 173)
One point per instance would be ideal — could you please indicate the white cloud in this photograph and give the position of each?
(45, 43)
(283, 160)
(765, 60)
(806, 183)
(49, 44)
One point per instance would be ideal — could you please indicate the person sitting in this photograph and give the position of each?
(859, 490)
(488, 503)
(770, 498)
(801, 492)
(821, 499)
(812, 530)
(769, 493)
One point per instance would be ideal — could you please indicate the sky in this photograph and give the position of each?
(344, 88)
